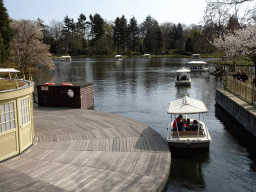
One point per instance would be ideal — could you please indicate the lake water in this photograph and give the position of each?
(141, 89)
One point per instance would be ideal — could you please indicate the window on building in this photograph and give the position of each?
(7, 118)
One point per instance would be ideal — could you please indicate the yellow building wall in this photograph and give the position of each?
(16, 121)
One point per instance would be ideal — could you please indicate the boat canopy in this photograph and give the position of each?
(7, 70)
(66, 56)
(146, 54)
(186, 105)
(118, 56)
(196, 56)
(197, 62)
(183, 70)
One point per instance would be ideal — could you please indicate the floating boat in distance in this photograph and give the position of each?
(118, 57)
(146, 56)
(198, 69)
(196, 60)
(188, 137)
(183, 77)
(66, 58)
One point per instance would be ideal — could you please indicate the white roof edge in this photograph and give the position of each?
(183, 70)
(6, 70)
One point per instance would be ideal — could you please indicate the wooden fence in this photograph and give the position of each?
(243, 90)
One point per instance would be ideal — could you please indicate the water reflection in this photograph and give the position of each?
(182, 90)
(239, 136)
(187, 170)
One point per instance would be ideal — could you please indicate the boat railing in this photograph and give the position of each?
(244, 90)
(200, 132)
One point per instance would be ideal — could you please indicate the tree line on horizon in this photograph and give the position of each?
(29, 43)
(99, 37)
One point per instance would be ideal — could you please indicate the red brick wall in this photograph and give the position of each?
(87, 96)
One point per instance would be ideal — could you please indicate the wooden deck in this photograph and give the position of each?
(87, 150)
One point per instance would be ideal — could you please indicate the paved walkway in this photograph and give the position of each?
(87, 150)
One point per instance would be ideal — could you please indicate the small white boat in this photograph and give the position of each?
(198, 69)
(146, 56)
(66, 58)
(118, 57)
(196, 60)
(186, 138)
(183, 77)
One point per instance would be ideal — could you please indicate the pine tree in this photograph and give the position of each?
(133, 34)
(5, 33)
(189, 45)
(120, 33)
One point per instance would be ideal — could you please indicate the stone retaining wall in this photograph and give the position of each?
(243, 112)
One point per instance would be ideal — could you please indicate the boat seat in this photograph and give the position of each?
(187, 133)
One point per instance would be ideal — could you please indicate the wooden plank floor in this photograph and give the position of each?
(87, 150)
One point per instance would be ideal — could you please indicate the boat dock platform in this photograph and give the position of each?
(87, 150)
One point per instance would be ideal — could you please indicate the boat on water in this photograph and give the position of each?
(146, 56)
(196, 60)
(198, 69)
(183, 77)
(66, 58)
(118, 57)
(186, 137)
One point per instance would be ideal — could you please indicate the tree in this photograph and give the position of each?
(70, 37)
(27, 48)
(133, 34)
(96, 23)
(233, 24)
(166, 31)
(104, 44)
(179, 37)
(55, 31)
(151, 32)
(189, 45)
(239, 43)
(219, 12)
(5, 33)
(81, 28)
(120, 32)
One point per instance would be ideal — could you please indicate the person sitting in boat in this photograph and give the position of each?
(194, 126)
(178, 78)
(184, 77)
(182, 125)
(188, 124)
(176, 121)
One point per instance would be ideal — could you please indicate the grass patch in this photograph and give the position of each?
(10, 84)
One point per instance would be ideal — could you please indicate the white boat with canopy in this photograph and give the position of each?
(146, 56)
(118, 57)
(66, 58)
(197, 64)
(183, 77)
(186, 136)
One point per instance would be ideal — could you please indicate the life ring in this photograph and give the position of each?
(67, 84)
(49, 83)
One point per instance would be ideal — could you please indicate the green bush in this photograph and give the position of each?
(135, 53)
(90, 52)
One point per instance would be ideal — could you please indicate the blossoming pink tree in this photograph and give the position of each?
(240, 43)
(27, 48)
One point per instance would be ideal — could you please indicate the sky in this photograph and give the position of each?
(175, 11)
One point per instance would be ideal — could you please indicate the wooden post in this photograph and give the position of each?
(245, 91)
(253, 92)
